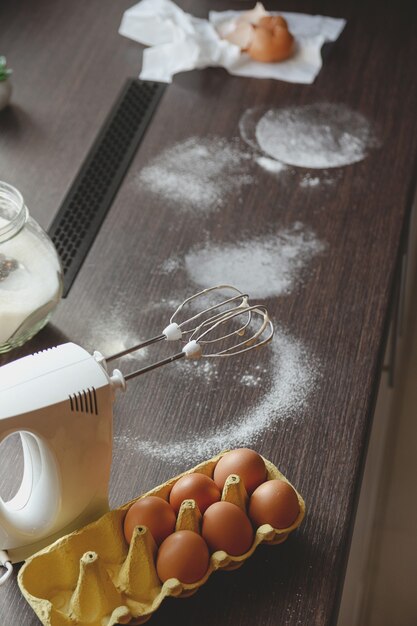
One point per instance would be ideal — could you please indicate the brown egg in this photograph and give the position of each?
(271, 46)
(270, 21)
(154, 513)
(274, 502)
(198, 487)
(226, 527)
(246, 463)
(183, 555)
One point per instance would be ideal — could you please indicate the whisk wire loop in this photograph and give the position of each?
(243, 346)
(226, 316)
(181, 325)
(218, 320)
(218, 305)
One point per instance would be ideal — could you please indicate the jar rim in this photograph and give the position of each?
(15, 200)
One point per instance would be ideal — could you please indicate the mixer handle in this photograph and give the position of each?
(6, 563)
(36, 503)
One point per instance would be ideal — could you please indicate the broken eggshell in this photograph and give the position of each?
(254, 15)
(240, 35)
(265, 37)
(271, 45)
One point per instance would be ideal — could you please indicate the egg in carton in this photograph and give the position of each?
(92, 577)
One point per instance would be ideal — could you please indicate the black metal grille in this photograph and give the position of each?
(84, 208)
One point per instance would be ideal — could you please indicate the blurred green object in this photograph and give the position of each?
(4, 71)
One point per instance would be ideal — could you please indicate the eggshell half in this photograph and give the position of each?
(241, 35)
(254, 15)
(270, 21)
(271, 46)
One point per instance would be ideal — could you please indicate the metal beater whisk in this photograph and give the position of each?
(212, 331)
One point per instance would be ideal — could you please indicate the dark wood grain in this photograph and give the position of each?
(69, 65)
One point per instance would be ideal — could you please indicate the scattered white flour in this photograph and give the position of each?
(205, 368)
(249, 380)
(271, 165)
(261, 266)
(111, 334)
(208, 370)
(169, 304)
(198, 173)
(293, 377)
(310, 181)
(170, 265)
(319, 135)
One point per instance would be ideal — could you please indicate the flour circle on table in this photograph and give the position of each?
(293, 376)
(266, 266)
(198, 173)
(317, 136)
(247, 126)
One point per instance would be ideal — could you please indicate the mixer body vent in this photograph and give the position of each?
(84, 401)
(45, 350)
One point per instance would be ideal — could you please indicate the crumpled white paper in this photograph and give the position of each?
(179, 42)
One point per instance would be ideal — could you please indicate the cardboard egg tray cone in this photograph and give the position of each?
(92, 577)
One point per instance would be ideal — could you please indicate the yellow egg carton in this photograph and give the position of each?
(92, 577)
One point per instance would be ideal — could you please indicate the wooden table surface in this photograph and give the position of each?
(69, 64)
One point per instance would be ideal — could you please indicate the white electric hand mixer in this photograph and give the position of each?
(60, 401)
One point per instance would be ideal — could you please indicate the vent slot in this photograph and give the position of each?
(84, 401)
(90, 196)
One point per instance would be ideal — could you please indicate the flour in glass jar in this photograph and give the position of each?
(28, 280)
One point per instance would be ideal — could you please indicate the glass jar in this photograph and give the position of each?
(30, 272)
